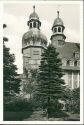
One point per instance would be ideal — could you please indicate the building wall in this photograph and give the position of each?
(57, 41)
(32, 57)
(72, 79)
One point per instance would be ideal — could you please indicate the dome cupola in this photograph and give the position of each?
(34, 15)
(58, 27)
(34, 37)
(34, 20)
(34, 34)
(58, 21)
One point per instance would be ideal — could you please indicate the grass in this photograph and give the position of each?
(38, 116)
(16, 116)
(72, 117)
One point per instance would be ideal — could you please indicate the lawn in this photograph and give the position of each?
(36, 116)
(72, 117)
(16, 116)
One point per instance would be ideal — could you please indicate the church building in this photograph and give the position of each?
(34, 42)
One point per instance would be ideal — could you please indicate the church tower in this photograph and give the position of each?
(33, 43)
(58, 37)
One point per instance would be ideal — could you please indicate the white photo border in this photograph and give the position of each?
(81, 64)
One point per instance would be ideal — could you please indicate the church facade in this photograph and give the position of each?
(34, 42)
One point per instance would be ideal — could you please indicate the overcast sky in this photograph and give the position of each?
(16, 16)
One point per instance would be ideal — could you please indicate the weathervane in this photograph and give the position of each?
(34, 8)
(58, 13)
(58, 8)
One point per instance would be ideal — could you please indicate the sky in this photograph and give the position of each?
(16, 16)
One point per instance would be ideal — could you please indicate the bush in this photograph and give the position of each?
(73, 101)
(18, 105)
(16, 116)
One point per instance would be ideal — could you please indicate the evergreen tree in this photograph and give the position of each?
(11, 81)
(50, 85)
(30, 81)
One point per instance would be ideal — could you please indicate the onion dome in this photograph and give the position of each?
(34, 15)
(58, 21)
(34, 33)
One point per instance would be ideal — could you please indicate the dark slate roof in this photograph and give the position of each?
(57, 21)
(34, 32)
(34, 15)
(67, 50)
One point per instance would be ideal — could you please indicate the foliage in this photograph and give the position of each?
(11, 84)
(18, 109)
(16, 116)
(18, 105)
(30, 81)
(73, 100)
(50, 85)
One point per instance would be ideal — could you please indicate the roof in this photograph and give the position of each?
(67, 50)
(34, 15)
(34, 32)
(57, 21)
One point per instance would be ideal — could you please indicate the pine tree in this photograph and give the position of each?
(50, 83)
(11, 81)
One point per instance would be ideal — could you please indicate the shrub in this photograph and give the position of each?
(73, 101)
(18, 105)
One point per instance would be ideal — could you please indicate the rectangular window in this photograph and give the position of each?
(63, 62)
(70, 79)
(71, 63)
(77, 55)
(78, 63)
(75, 80)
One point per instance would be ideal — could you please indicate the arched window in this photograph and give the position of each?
(78, 62)
(63, 62)
(34, 24)
(68, 62)
(75, 63)
(71, 63)
(59, 29)
(55, 30)
(30, 25)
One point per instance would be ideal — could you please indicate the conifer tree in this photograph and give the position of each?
(11, 81)
(50, 83)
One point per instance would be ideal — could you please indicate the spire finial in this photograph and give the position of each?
(58, 14)
(34, 8)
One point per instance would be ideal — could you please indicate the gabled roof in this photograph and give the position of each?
(67, 50)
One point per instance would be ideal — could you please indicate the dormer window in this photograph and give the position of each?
(76, 55)
(77, 63)
(70, 63)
